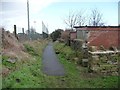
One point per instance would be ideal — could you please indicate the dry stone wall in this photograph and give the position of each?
(97, 59)
(76, 44)
(103, 63)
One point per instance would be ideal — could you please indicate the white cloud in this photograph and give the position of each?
(37, 5)
(16, 13)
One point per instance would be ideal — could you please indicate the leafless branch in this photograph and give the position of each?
(75, 19)
(95, 18)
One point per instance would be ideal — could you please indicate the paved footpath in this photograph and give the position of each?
(51, 65)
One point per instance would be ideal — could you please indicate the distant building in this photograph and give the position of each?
(22, 37)
(32, 36)
(82, 33)
(65, 35)
(106, 36)
(73, 35)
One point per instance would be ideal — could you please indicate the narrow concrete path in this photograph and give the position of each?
(51, 65)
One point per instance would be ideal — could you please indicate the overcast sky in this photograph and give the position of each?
(52, 12)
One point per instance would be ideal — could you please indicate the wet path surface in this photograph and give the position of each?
(51, 65)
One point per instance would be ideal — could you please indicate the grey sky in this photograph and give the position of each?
(15, 12)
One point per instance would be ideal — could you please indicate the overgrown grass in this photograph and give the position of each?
(65, 51)
(6, 63)
(30, 50)
(0, 71)
(30, 74)
(79, 77)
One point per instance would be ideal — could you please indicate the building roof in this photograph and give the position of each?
(94, 28)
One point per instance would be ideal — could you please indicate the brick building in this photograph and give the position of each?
(73, 35)
(106, 36)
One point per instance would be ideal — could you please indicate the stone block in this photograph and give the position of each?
(92, 48)
(108, 67)
(114, 73)
(94, 68)
(102, 48)
(104, 59)
(85, 62)
(114, 69)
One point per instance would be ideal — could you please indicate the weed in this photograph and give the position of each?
(30, 50)
(6, 63)
(76, 75)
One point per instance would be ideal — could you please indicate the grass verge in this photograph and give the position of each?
(78, 76)
(29, 74)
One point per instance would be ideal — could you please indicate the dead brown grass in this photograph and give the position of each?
(15, 50)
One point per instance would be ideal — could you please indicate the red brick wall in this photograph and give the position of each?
(106, 38)
(73, 35)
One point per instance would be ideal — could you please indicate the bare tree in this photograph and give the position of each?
(71, 21)
(96, 18)
(81, 19)
(75, 19)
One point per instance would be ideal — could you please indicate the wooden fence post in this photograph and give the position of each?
(23, 30)
(2, 38)
(15, 31)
